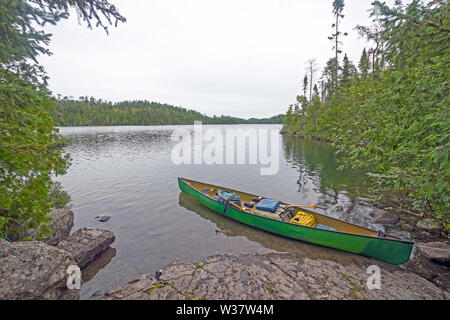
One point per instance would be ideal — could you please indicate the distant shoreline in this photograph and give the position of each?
(162, 125)
(91, 111)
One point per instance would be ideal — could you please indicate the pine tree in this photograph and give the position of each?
(375, 35)
(330, 78)
(305, 85)
(338, 8)
(348, 72)
(364, 65)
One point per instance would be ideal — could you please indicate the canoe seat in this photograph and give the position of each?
(207, 190)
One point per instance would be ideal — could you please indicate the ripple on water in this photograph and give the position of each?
(127, 174)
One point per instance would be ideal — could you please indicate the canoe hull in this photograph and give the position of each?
(391, 251)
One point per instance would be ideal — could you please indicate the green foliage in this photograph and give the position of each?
(331, 77)
(396, 122)
(92, 112)
(364, 64)
(30, 147)
(29, 153)
(349, 72)
(59, 198)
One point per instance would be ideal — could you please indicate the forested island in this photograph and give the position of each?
(88, 111)
(390, 112)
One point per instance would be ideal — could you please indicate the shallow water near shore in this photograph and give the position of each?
(126, 173)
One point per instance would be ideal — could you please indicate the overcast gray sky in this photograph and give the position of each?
(244, 58)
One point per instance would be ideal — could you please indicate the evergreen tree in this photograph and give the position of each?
(330, 78)
(364, 65)
(315, 91)
(30, 147)
(349, 72)
(375, 35)
(305, 85)
(338, 8)
(395, 124)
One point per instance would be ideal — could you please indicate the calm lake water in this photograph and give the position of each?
(127, 173)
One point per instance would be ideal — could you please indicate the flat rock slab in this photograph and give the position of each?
(383, 217)
(428, 225)
(87, 244)
(436, 251)
(273, 276)
(34, 270)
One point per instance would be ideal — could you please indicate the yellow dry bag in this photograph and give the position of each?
(305, 219)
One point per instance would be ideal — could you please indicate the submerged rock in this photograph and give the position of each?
(436, 251)
(273, 276)
(34, 270)
(383, 217)
(87, 244)
(102, 218)
(98, 264)
(96, 293)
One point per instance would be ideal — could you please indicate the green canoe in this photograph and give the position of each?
(337, 234)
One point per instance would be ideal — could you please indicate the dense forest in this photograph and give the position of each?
(96, 112)
(389, 111)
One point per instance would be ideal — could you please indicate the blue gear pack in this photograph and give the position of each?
(268, 205)
(230, 196)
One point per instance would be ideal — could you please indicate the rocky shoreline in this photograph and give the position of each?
(38, 270)
(274, 277)
(285, 133)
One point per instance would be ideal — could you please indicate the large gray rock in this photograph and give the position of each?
(62, 223)
(383, 217)
(428, 269)
(87, 244)
(273, 276)
(429, 225)
(436, 251)
(34, 270)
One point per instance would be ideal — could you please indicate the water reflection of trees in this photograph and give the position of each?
(318, 162)
(123, 142)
